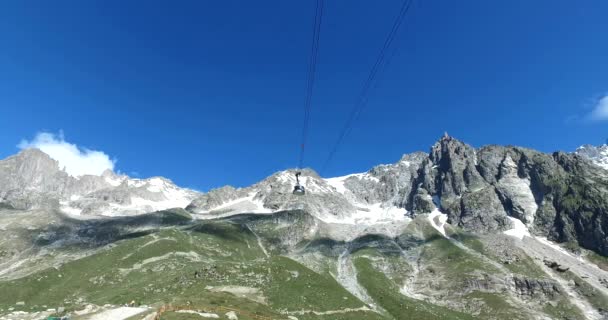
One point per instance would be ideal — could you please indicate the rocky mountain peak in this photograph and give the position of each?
(30, 172)
(32, 179)
(33, 161)
(454, 163)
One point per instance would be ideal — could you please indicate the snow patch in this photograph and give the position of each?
(246, 204)
(597, 155)
(113, 180)
(555, 246)
(370, 214)
(438, 221)
(121, 313)
(338, 182)
(172, 197)
(67, 209)
(519, 229)
(157, 184)
(202, 314)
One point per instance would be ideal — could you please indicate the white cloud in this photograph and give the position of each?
(600, 111)
(76, 161)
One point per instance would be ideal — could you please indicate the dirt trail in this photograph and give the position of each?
(324, 313)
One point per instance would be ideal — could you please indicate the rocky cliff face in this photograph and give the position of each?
(560, 196)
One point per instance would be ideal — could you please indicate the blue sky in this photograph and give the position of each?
(209, 93)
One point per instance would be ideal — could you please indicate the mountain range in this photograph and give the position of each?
(457, 232)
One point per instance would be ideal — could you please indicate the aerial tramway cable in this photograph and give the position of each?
(312, 67)
(381, 61)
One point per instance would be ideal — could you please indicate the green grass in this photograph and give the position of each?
(359, 315)
(187, 264)
(493, 306)
(221, 253)
(392, 263)
(455, 262)
(524, 266)
(120, 274)
(595, 297)
(386, 294)
(563, 309)
(296, 287)
(467, 239)
(421, 226)
(599, 260)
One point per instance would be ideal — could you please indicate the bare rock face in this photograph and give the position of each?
(560, 196)
(481, 211)
(31, 179)
(451, 177)
(535, 288)
(422, 201)
(456, 171)
(390, 183)
(515, 191)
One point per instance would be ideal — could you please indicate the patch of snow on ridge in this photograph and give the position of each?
(338, 182)
(370, 215)
(246, 204)
(597, 155)
(114, 181)
(157, 184)
(438, 221)
(202, 314)
(172, 197)
(519, 229)
(140, 205)
(171, 201)
(557, 247)
(66, 208)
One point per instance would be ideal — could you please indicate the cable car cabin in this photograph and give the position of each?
(298, 190)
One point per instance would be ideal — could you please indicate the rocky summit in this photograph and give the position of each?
(497, 232)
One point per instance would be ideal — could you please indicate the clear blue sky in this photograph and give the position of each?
(209, 93)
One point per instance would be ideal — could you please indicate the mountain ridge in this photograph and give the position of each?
(478, 189)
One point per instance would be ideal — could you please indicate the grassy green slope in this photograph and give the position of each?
(179, 266)
(386, 293)
(223, 263)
